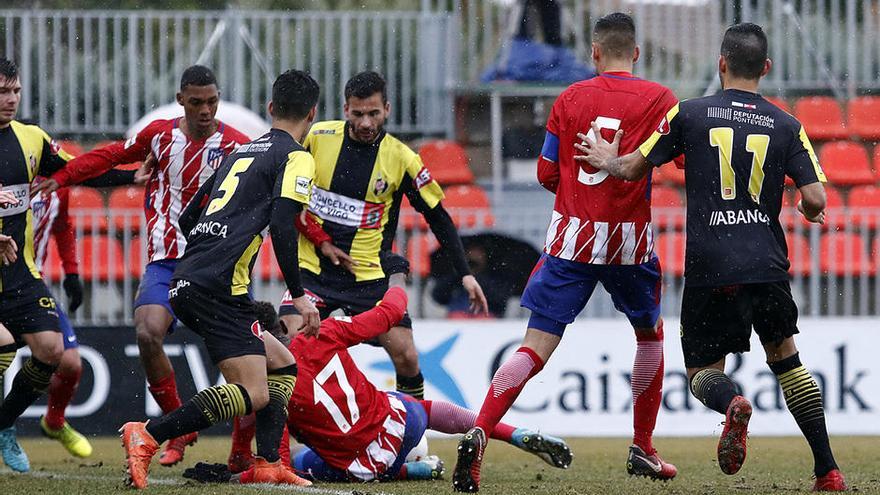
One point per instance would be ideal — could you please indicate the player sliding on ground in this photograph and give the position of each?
(600, 232)
(354, 432)
(738, 149)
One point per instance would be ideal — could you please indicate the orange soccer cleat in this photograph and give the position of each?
(832, 481)
(732, 445)
(140, 447)
(275, 473)
(174, 449)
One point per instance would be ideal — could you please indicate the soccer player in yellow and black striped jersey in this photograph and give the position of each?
(27, 309)
(362, 174)
(738, 149)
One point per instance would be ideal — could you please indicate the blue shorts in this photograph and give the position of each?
(66, 328)
(558, 291)
(154, 286)
(308, 462)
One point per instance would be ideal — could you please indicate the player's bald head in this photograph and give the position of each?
(745, 50)
(615, 33)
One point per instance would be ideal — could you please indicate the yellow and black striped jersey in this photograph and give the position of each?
(357, 194)
(25, 152)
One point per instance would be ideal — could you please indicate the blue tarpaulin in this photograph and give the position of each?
(528, 60)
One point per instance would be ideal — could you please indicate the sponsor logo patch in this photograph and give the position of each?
(423, 178)
(303, 185)
(347, 211)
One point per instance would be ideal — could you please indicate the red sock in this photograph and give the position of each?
(647, 387)
(447, 417)
(243, 430)
(62, 387)
(506, 385)
(284, 447)
(165, 393)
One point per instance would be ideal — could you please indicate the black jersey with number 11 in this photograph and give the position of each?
(738, 149)
(223, 246)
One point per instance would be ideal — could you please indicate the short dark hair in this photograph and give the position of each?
(294, 94)
(745, 49)
(8, 69)
(268, 318)
(616, 34)
(197, 75)
(366, 84)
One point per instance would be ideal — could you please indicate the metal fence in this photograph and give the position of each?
(834, 267)
(88, 72)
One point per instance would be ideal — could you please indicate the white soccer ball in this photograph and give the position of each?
(418, 452)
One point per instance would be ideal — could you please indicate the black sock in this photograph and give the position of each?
(412, 385)
(714, 389)
(208, 407)
(804, 401)
(272, 418)
(29, 384)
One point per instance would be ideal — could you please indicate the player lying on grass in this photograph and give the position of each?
(354, 432)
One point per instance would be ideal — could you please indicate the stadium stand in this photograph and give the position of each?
(798, 254)
(671, 203)
(845, 254)
(668, 174)
(101, 259)
(669, 247)
(86, 207)
(126, 204)
(447, 161)
(779, 102)
(468, 206)
(418, 251)
(863, 117)
(821, 117)
(846, 164)
(864, 204)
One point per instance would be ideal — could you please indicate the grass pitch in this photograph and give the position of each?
(774, 465)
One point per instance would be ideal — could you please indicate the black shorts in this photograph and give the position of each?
(228, 324)
(717, 321)
(352, 300)
(28, 308)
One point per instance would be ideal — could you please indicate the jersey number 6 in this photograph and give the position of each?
(756, 144)
(596, 178)
(229, 185)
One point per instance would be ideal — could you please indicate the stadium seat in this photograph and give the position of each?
(876, 163)
(670, 249)
(863, 117)
(846, 164)
(468, 206)
(671, 205)
(87, 210)
(71, 147)
(821, 117)
(447, 161)
(798, 253)
(779, 102)
(668, 174)
(844, 253)
(418, 251)
(127, 205)
(410, 219)
(136, 257)
(864, 204)
(101, 259)
(51, 268)
(266, 267)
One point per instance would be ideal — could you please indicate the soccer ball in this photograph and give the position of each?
(419, 452)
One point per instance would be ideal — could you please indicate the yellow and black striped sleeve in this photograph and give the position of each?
(665, 142)
(802, 165)
(295, 180)
(422, 188)
(53, 158)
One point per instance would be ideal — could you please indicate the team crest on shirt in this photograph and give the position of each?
(380, 186)
(214, 158)
(257, 329)
(663, 128)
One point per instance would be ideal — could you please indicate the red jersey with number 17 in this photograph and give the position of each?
(598, 218)
(334, 409)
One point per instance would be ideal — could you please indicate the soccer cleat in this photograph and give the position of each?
(732, 445)
(240, 461)
(13, 455)
(275, 473)
(140, 447)
(71, 439)
(651, 466)
(552, 450)
(831, 482)
(466, 475)
(429, 467)
(173, 451)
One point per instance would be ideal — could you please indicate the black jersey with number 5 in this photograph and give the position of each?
(738, 149)
(223, 245)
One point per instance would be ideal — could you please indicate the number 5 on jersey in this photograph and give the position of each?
(229, 185)
(596, 178)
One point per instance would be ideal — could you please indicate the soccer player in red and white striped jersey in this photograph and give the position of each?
(187, 151)
(600, 232)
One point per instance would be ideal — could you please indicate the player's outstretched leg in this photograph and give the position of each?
(427, 468)
(804, 401)
(62, 387)
(718, 392)
(552, 450)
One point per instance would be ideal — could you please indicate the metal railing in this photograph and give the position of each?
(89, 72)
(834, 267)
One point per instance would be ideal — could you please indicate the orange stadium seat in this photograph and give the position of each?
(87, 209)
(876, 162)
(668, 174)
(71, 147)
(410, 219)
(447, 161)
(864, 203)
(266, 267)
(418, 251)
(844, 253)
(136, 257)
(821, 117)
(798, 253)
(779, 102)
(670, 199)
(863, 117)
(670, 249)
(101, 259)
(127, 205)
(468, 206)
(51, 268)
(846, 164)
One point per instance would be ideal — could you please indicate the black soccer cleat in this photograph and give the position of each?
(466, 475)
(638, 463)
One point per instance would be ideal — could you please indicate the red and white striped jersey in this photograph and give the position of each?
(51, 218)
(183, 165)
(598, 218)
